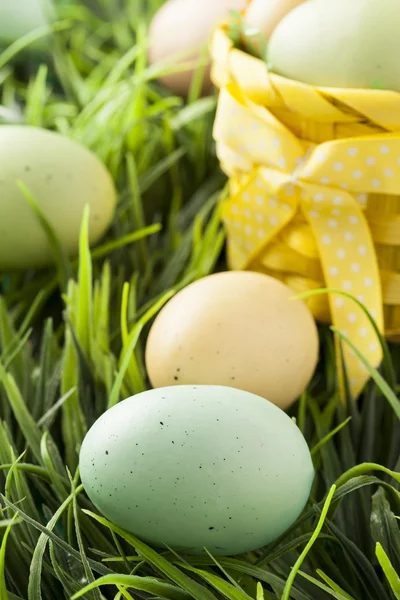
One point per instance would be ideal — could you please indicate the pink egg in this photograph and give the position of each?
(180, 33)
(264, 15)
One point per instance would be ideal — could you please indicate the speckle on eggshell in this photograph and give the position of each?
(236, 328)
(244, 479)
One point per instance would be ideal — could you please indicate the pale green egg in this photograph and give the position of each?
(62, 176)
(19, 17)
(339, 43)
(198, 466)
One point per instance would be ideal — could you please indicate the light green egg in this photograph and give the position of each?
(19, 17)
(195, 467)
(62, 176)
(340, 43)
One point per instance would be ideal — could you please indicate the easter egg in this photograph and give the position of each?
(238, 329)
(180, 33)
(264, 15)
(19, 17)
(349, 44)
(193, 467)
(62, 176)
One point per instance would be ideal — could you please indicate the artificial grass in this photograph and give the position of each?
(72, 338)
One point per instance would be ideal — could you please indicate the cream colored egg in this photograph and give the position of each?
(264, 15)
(180, 32)
(238, 329)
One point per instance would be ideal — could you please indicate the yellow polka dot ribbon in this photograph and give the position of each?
(309, 169)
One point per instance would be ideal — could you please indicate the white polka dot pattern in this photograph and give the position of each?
(329, 187)
(367, 168)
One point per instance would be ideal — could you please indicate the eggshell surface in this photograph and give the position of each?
(349, 44)
(264, 15)
(239, 329)
(180, 32)
(19, 17)
(62, 176)
(195, 467)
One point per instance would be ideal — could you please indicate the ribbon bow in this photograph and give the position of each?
(310, 172)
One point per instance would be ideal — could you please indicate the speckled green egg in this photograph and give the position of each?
(339, 43)
(62, 176)
(195, 467)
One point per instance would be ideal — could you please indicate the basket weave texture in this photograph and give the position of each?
(314, 193)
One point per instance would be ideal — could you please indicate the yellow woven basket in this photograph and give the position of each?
(314, 192)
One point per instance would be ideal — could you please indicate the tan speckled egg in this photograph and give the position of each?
(239, 329)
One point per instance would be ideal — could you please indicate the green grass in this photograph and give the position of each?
(72, 339)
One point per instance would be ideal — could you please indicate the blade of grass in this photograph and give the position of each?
(3, 590)
(109, 247)
(60, 257)
(334, 585)
(223, 587)
(225, 573)
(385, 347)
(95, 594)
(25, 421)
(136, 204)
(260, 574)
(58, 486)
(391, 575)
(328, 437)
(66, 581)
(197, 591)
(54, 409)
(35, 576)
(129, 348)
(152, 175)
(317, 531)
(376, 376)
(21, 343)
(36, 98)
(30, 38)
(84, 317)
(323, 587)
(146, 584)
(361, 566)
